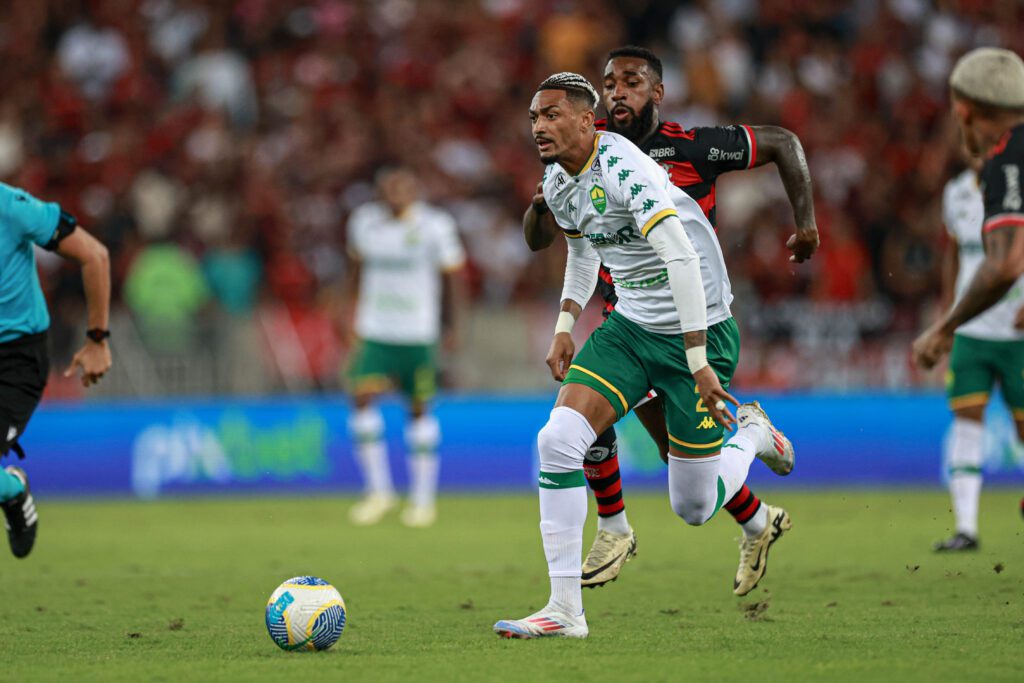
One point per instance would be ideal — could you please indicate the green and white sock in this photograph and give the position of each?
(563, 512)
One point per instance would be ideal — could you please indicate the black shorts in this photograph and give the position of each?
(24, 367)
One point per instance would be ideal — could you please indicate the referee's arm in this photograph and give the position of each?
(94, 357)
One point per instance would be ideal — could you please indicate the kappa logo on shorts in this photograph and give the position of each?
(707, 423)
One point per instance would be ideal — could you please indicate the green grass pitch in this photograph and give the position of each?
(175, 591)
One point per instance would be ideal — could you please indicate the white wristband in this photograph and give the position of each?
(565, 322)
(697, 358)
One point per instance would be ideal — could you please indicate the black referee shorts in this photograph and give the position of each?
(24, 367)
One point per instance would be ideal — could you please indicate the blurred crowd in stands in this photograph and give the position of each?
(217, 148)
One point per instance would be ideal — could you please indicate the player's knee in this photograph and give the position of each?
(564, 441)
(605, 448)
(694, 513)
(366, 423)
(424, 434)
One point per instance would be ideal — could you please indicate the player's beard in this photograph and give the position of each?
(638, 127)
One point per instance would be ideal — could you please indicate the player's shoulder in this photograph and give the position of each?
(434, 215)
(962, 184)
(612, 145)
(367, 215)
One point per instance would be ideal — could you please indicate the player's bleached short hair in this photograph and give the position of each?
(991, 76)
(577, 88)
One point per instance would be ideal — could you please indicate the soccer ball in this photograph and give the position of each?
(305, 613)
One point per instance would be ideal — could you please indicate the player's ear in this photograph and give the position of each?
(587, 120)
(658, 93)
(962, 111)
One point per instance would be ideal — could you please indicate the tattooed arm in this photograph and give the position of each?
(782, 147)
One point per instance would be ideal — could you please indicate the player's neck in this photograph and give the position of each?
(994, 131)
(649, 132)
(576, 158)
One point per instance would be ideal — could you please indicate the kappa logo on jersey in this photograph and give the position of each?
(571, 207)
(623, 174)
(715, 154)
(621, 236)
(635, 190)
(598, 198)
(662, 152)
(648, 205)
(1011, 201)
(707, 423)
(612, 160)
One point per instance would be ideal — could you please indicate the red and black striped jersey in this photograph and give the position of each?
(1000, 182)
(694, 159)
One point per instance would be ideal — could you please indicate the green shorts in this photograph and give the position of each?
(377, 367)
(622, 361)
(974, 367)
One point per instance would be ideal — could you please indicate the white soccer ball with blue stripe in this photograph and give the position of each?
(305, 613)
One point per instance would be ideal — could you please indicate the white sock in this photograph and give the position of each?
(423, 437)
(694, 487)
(737, 455)
(563, 443)
(367, 427)
(755, 526)
(965, 460)
(616, 524)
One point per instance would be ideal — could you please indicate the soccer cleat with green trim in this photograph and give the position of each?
(754, 551)
(779, 455)
(549, 622)
(20, 517)
(606, 557)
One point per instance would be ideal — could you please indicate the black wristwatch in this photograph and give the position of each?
(97, 334)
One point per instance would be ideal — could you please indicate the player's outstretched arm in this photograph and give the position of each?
(539, 227)
(93, 359)
(1003, 264)
(782, 147)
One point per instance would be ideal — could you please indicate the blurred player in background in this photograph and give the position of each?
(405, 256)
(26, 223)
(633, 91)
(987, 87)
(615, 204)
(986, 350)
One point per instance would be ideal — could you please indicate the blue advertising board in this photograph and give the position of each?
(151, 449)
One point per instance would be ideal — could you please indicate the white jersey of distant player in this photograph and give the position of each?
(402, 259)
(963, 213)
(619, 196)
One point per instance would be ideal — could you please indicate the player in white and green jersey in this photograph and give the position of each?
(405, 255)
(671, 330)
(986, 350)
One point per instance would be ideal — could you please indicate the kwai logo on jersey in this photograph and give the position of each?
(715, 154)
(598, 198)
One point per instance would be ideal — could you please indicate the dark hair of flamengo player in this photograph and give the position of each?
(578, 89)
(640, 53)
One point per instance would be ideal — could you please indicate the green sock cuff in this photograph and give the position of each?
(561, 480)
(966, 469)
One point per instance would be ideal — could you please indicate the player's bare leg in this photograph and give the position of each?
(580, 414)
(367, 427)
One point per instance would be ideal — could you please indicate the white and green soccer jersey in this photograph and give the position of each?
(612, 204)
(963, 213)
(402, 259)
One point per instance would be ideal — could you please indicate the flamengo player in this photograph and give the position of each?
(987, 86)
(633, 90)
(985, 349)
(406, 255)
(645, 229)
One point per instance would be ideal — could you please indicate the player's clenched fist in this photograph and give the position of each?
(560, 355)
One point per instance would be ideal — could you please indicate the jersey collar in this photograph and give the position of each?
(590, 161)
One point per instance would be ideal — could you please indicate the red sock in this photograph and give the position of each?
(743, 505)
(604, 479)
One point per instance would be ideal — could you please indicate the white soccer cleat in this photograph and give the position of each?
(754, 551)
(606, 557)
(778, 455)
(419, 516)
(371, 509)
(548, 622)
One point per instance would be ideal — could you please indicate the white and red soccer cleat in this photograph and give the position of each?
(778, 453)
(550, 621)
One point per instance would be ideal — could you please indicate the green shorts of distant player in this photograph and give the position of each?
(622, 361)
(377, 367)
(975, 365)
